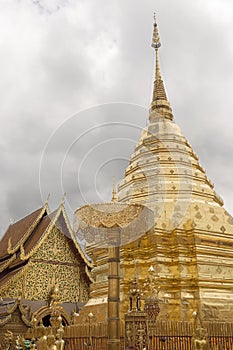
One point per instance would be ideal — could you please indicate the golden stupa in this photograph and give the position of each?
(188, 250)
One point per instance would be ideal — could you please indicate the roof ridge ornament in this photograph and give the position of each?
(63, 199)
(47, 199)
(9, 246)
(22, 252)
(11, 220)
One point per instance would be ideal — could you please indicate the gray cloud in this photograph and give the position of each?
(61, 57)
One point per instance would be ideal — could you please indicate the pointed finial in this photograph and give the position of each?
(63, 198)
(47, 199)
(160, 106)
(156, 39)
(114, 197)
(11, 221)
(156, 45)
(151, 269)
(136, 269)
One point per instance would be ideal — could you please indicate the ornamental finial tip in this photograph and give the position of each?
(155, 21)
(63, 198)
(156, 39)
(160, 104)
(47, 199)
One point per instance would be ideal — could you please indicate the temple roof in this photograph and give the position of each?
(23, 238)
(18, 232)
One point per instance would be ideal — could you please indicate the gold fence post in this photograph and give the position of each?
(113, 342)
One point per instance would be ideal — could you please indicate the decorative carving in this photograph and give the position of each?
(111, 215)
(152, 308)
(214, 218)
(93, 221)
(136, 330)
(60, 343)
(42, 343)
(46, 261)
(223, 229)
(45, 264)
(13, 286)
(54, 296)
(8, 340)
(135, 297)
(41, 273)
(200, 340)
(7, 263)
(198, 215)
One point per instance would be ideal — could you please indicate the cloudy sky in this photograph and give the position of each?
(76, 82)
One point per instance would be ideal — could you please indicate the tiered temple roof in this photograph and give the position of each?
(24, 237)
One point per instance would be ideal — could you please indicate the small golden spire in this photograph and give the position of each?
(160, 103)
(135, 261)
(156, 45)
(114, 197)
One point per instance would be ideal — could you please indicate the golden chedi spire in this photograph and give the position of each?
(160, 105)
(114, 196)
(190, 245)
(164, 170)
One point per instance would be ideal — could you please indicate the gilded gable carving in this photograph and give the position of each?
(55, 248)
(13, 288)
(41, 276)
(54, 260)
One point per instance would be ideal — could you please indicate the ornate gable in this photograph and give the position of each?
(53, 262)
(49, 256)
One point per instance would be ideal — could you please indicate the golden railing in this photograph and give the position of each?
(164, 335)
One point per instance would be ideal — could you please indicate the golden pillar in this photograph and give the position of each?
(114, 289)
